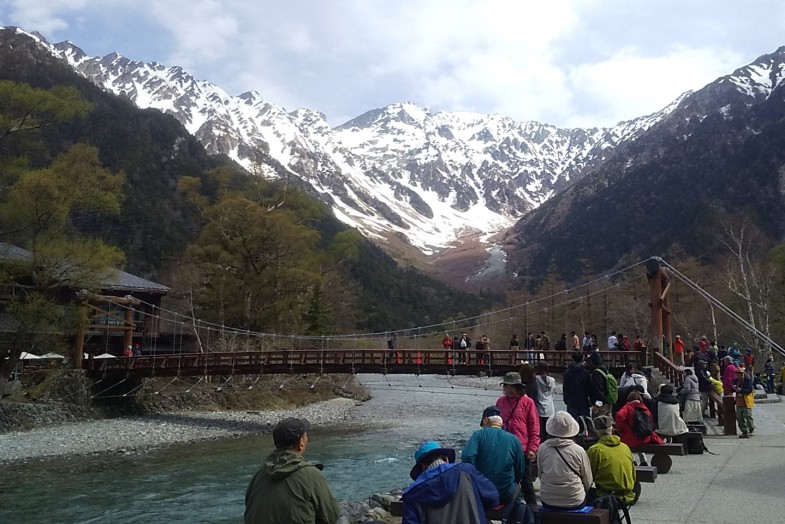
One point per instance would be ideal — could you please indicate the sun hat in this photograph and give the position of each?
(490, 411)
(512, 378)
(562, 425)
(288, 431)
(426, 453)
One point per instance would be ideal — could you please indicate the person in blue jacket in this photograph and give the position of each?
(444, 492)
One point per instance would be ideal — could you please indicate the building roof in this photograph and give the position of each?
(116, 280)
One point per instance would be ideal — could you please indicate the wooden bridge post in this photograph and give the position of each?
(658, 302)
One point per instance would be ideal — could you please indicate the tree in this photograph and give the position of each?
(750, 278)
(37, 212)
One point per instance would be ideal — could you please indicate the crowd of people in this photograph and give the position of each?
(582, 455)
(520, 436)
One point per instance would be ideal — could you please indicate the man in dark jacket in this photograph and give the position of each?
(598, 392)
(577, 383)
(444, 492)
(288, 488)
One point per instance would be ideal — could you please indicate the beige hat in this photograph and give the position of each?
(562, 425)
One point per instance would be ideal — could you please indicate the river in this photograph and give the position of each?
(205, 482)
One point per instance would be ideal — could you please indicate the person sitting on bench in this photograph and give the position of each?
(612, 464)
(565, 472)
(444, 492)
(635, 424)
(669, 422)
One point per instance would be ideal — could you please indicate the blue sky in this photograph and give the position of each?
(576, 63)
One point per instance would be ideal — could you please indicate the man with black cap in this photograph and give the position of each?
(288, 488)
(598, 393)
(444, 492)
(497, 454)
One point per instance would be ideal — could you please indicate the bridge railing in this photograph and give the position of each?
(670, 370)
(343, 360)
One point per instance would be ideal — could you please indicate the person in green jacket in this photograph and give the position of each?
(611, 463)
(288, 489)
(496, 454)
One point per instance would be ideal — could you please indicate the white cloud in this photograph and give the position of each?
(564, 62)
(45, 17)
(627, 85)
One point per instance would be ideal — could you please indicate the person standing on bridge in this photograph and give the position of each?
(288, 488)
(521, 419)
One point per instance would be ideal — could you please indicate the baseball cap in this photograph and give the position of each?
(288, 431)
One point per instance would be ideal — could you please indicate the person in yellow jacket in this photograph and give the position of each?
(611, 463)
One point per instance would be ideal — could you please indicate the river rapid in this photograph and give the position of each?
(206, 481)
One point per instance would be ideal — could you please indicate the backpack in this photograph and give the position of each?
(611, 387)
(618, 512)
(642, 423)
(517, 512)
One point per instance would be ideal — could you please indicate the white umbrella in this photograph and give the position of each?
(53, 355)
(28, 356)
(105, 355)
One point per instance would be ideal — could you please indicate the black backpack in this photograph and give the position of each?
(618, 512)
(642, 423)
(517, 512)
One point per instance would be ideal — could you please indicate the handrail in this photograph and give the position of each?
(671, 371)
(430, 359)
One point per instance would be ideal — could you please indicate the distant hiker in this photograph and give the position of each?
(521, 419)
(529, 346)
(604, 390)
(613, 342)
(574, 341)
(703, 344)
(561, 344)
(577, 384)
(136, 350)
(586, 342)
(515, 346)
(678, 351)
(546, 384)
(768, 370)
(128, 352)
(497, 454)
(749, 360)
(288, 488)
(465, 344)
(704, 385)
(690, 391)
(392, 344)
(745, 401)
(444, 492)
(728, 375)
(545, 342)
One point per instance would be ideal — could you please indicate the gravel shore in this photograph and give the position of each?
(137, 434)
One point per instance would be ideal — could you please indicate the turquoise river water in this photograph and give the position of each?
(205, 482)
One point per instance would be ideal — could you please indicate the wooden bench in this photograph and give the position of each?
(595, 516)
(646, 473)
(661, 455)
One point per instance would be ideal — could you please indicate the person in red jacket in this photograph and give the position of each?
(678, 351)
(624, 423)
(520, 418)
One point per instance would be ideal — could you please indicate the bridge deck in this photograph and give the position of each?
(407, 361)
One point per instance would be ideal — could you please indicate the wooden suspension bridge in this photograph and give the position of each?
(290, 361)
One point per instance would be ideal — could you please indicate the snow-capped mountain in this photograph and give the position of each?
(399, 170)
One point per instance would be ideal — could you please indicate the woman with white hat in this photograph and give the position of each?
(565, 471)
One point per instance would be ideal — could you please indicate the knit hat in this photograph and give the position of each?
(596, 359)
(562, 425)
